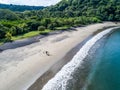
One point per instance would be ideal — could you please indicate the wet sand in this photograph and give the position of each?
(34, 71)
(40, 82)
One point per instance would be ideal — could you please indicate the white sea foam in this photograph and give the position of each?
(59, 82)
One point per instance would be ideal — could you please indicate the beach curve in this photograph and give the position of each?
(27, 71)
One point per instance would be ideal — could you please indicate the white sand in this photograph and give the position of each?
(27, 71)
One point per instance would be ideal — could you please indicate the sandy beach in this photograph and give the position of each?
(42, 56)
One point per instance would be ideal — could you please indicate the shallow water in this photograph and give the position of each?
(105, 71)
(79, 72)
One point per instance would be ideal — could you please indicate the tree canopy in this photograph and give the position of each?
(7, 15)
(65, 14)
(20, 8)
(106, 10)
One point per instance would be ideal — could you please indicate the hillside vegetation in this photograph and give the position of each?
(65, 14)
(20, 8)
(102, 9)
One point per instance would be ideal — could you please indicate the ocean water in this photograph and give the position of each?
(96, 66)
(105, 75)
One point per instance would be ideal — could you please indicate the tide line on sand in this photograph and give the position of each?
(25, 73)
(59, 82)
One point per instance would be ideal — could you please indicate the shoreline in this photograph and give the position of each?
(42, 80)
(67, 71)
(34, 66)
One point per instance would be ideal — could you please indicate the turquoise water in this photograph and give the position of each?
(96, 66)
(105, 71)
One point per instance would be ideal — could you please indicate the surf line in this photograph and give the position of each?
(59, 81)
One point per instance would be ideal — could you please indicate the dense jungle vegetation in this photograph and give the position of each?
(20, 8)
(65, 14)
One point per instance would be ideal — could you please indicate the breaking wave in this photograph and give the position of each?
(60, 80)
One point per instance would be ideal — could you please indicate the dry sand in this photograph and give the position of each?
(51, 50)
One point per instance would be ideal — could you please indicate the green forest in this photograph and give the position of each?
(20, 8)
(67, 13)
